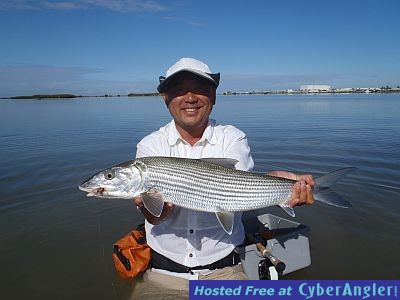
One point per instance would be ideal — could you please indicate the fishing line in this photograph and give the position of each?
(100, 239)
(261, 164)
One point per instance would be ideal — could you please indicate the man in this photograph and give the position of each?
(189, 244)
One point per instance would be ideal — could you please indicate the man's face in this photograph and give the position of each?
(190, 100)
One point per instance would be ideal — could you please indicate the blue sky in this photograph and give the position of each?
(94, 47)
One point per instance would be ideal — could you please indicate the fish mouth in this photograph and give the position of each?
(93, 192)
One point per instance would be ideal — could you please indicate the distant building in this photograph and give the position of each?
(315, 88)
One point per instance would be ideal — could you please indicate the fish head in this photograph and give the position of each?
(122, 181)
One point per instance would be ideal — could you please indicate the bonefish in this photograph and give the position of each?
(210, 185)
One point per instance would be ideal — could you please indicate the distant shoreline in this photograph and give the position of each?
(72, 96)
(301, 93)
(383, 90)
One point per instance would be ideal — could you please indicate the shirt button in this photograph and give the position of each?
(191, 231)
(190, 255)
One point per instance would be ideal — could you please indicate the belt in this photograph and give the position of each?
(159, 261)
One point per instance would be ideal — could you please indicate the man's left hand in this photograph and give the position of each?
(302, 190)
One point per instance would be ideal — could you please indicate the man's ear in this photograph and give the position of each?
(167, 101)
(213, 94)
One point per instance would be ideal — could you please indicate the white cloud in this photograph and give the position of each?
(59, 5)
(40, 79)
(171, 18)
(199, 24)
(259, 82)
(116, 5)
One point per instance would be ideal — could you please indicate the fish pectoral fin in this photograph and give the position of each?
(225, 162)
(287, 208)
(153, 201)
(225, 219)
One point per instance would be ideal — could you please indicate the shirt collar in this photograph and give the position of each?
(174, 136)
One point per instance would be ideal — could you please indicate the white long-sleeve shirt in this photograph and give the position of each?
(189, 237)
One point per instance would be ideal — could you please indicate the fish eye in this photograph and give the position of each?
(109, 175)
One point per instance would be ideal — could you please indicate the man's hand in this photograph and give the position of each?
(302, 190)
(167, 210)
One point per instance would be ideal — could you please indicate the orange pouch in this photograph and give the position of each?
(131, 253)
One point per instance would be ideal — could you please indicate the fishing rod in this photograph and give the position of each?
(267, 253)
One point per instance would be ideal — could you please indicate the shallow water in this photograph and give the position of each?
(56, 243)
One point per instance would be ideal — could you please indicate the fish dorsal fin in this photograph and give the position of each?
(153, 201)
(287, 208)
(225, 162)
(225, 219)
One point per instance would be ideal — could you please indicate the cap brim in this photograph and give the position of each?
(213, 78)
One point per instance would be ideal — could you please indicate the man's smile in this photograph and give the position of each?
(191, 109)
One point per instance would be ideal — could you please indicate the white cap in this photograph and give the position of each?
(191, 65)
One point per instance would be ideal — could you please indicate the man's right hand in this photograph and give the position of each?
(167, 211)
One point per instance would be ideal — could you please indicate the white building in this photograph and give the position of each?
(315, 88)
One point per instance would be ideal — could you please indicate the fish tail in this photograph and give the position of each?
(323, 192)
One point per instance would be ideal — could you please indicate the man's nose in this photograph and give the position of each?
(191, 97)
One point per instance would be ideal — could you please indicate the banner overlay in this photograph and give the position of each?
(299, 289)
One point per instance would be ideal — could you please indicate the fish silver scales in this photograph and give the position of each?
(210, 184)
(201, 185)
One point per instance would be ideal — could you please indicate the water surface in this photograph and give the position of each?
(57, 244)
